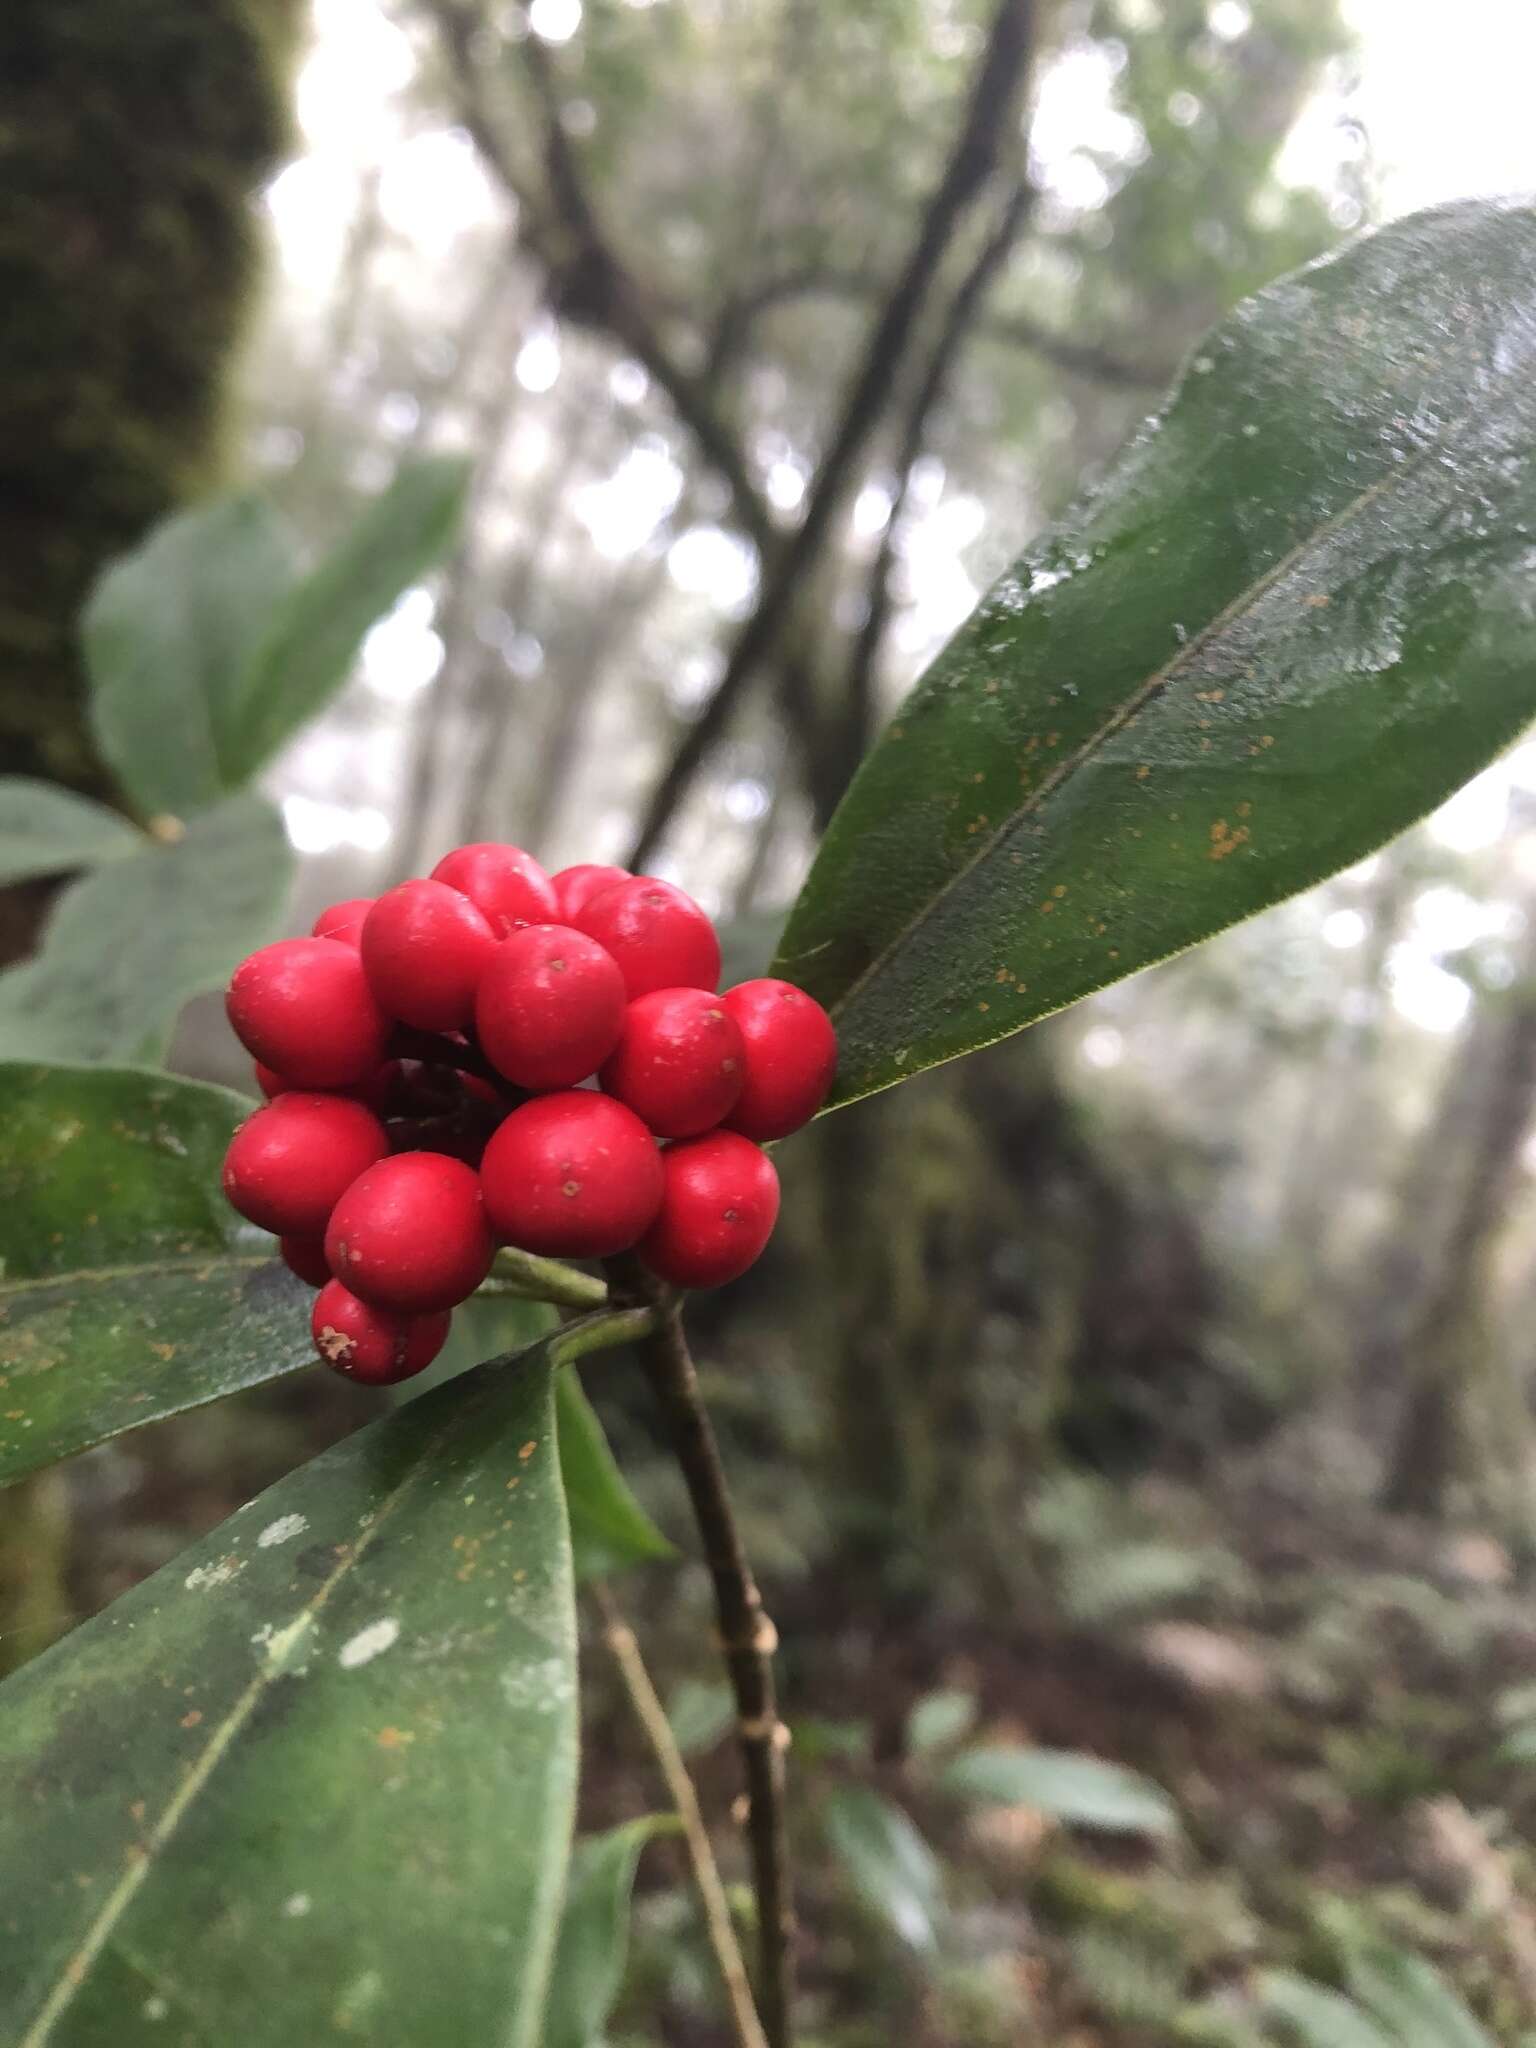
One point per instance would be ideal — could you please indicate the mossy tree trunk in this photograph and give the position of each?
(132, 140)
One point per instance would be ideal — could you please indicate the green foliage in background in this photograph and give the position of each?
(208, 648)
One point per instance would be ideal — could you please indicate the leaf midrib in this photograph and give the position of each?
(1148, 692)
(96, 1276)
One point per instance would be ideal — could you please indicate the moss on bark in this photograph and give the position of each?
(132, 140)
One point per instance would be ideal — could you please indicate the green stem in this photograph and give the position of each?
(600, 1332)
(536, 1279)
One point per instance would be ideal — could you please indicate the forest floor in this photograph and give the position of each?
(1341, 1706)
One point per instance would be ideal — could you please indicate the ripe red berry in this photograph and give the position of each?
(425, 947)
(718, 1208)
(680, 1062)
(270, 1082)
(503, 882)
(659, 936)
(303, 1007)
(575, 887)
(411, 1234)
(305, 1256)
(576, 1175)
(370, 1344)
(791, 1057)
(290, 1163)
(550, 1007)
(343, 921)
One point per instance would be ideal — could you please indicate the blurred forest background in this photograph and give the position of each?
(1158, 1384)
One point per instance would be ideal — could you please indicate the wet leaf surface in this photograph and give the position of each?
(314, 1779)
(131, 1290)
(1298, 613)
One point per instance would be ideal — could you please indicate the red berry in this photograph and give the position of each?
(343, 921)
(718, 1208)
(577, 1175)
(305, 1256)
(679, 1063)
(550, 1007)
(374, 1093)
(290, 1163)
(304, 1008)
(791, 1057)
(425, 947)
(370, 1344)
(410, 1234)
(503, 882)
(575, 887)
(659, 936)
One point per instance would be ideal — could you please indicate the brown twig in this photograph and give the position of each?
(993, 99)
(1080, 358)
(651, 1715)
(747, 1636)
(590, 281)
(857, 710)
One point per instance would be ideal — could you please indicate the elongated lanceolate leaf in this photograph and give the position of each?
(610, 1531)
(1077, 1789)
(1298, 613)
(314, 636)
(594, 1932)
(129, 1289)
(889, 1864)
(314, 1780)
(169, 634)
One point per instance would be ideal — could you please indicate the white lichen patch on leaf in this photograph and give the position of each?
(279, 1644)
(541, 1688)
(204, 1576)
(368, 1643)
(282, 1530)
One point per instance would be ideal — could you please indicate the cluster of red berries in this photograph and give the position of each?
(424, 1054)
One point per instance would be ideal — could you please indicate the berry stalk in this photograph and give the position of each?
(747, 1636)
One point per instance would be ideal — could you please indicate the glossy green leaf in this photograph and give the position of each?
(315, 635)
(130, 1289)
(890, 1866)
(483, 1327)
(610, 1531)
(169, 633)
(594, 1932)
(1316, 2017)
(45, 830)
(315, 1779)
(1076, 1789)
(1298, 613)
(128, 945)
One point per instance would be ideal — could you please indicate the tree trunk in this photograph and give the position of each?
(1466, 1416)
(131, 141)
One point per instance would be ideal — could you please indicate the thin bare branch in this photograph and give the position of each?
(1089, 359)
(989, 117)
(651, 1715)
(589, 280)
(747, 1636)
(855, 715)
